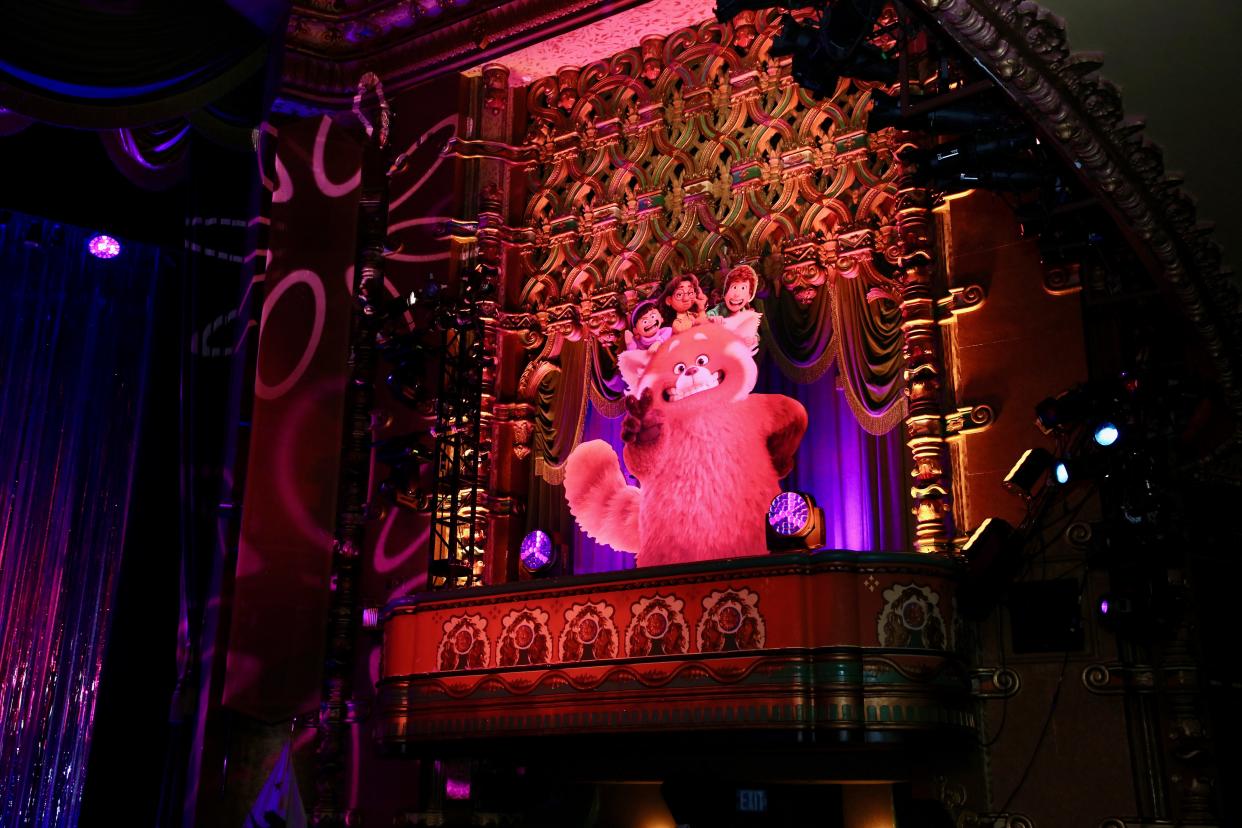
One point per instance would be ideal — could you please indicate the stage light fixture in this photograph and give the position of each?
(950, 119)
(794, 37)
(1025, 475)
(537, 553)
(103, 246)
(986, 542)
(1121, 612)
(1106, 434)
(978, 162)
(404, 381)
(1061, 472)
(795, 522)
(398, 451)
(1053, 414)
(990, 564)
(401, 486)
(836, 48)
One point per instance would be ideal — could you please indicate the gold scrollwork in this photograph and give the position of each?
(968, 419)
(1079, 534)
(1098, 678)
(958, 301)
(996, 683)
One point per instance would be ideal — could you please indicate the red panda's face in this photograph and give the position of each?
(707, 364)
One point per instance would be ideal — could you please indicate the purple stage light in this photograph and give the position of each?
(537, 553)
(1104, 606)
(457, 789)
(103, 246)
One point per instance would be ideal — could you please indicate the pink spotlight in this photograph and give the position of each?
(103, 246)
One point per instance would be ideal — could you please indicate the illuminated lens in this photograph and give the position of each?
(1103, 606)
(789, 513)
(536, 551)
(1106, 434)
(1061, 472)
(103, 247)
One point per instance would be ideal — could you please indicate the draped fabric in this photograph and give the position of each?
(153, 157)
(74, 347)
(799, 338)
(141, 73)
(607, 390)
(589, 554)
(11, 123)
(856, 477)
(871, 360)
(843, 322)
(66, 62)
(560, 407)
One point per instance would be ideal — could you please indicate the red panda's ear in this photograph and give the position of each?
(745, 324)
(632, 364)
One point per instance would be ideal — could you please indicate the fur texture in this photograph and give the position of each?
(707, 453)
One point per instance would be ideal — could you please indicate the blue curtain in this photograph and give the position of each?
(74, 347)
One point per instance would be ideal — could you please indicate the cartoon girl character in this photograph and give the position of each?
(646, 326)
(686, 300)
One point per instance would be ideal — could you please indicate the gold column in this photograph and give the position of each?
(922, 348)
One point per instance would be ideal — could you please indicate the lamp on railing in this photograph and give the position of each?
(537, 552)
(795, 522)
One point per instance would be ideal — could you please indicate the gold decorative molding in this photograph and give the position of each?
(958, 301)
(1114, 679)
(968, 419)
(1025, 47)
(995, 683)
(327, 47)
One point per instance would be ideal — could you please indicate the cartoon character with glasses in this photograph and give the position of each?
(686, 301)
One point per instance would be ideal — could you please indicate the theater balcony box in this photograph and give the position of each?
(823, 649)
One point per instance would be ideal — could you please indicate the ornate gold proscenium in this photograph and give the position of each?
(691, 153)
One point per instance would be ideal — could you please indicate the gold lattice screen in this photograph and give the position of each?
(693, 153)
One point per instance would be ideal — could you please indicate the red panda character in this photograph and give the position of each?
(707, 453)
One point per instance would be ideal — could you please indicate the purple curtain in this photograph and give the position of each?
(589, 554)
(855, 477)
(74, 347)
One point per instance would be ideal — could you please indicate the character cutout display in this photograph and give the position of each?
(685, 301)
(741, 285)
(646, 326)
(707, 453)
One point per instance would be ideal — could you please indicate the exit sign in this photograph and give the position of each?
(752, 802)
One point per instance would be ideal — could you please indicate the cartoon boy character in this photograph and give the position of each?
(685, 298)
(646, 326)
(741, 285)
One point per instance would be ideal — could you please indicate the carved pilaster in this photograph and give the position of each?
(1192, 770)
(925, 368)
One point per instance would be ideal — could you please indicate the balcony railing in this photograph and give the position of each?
(848, 647)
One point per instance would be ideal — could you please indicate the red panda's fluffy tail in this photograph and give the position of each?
(604, 506)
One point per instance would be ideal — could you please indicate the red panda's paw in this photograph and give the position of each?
(642, 423)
